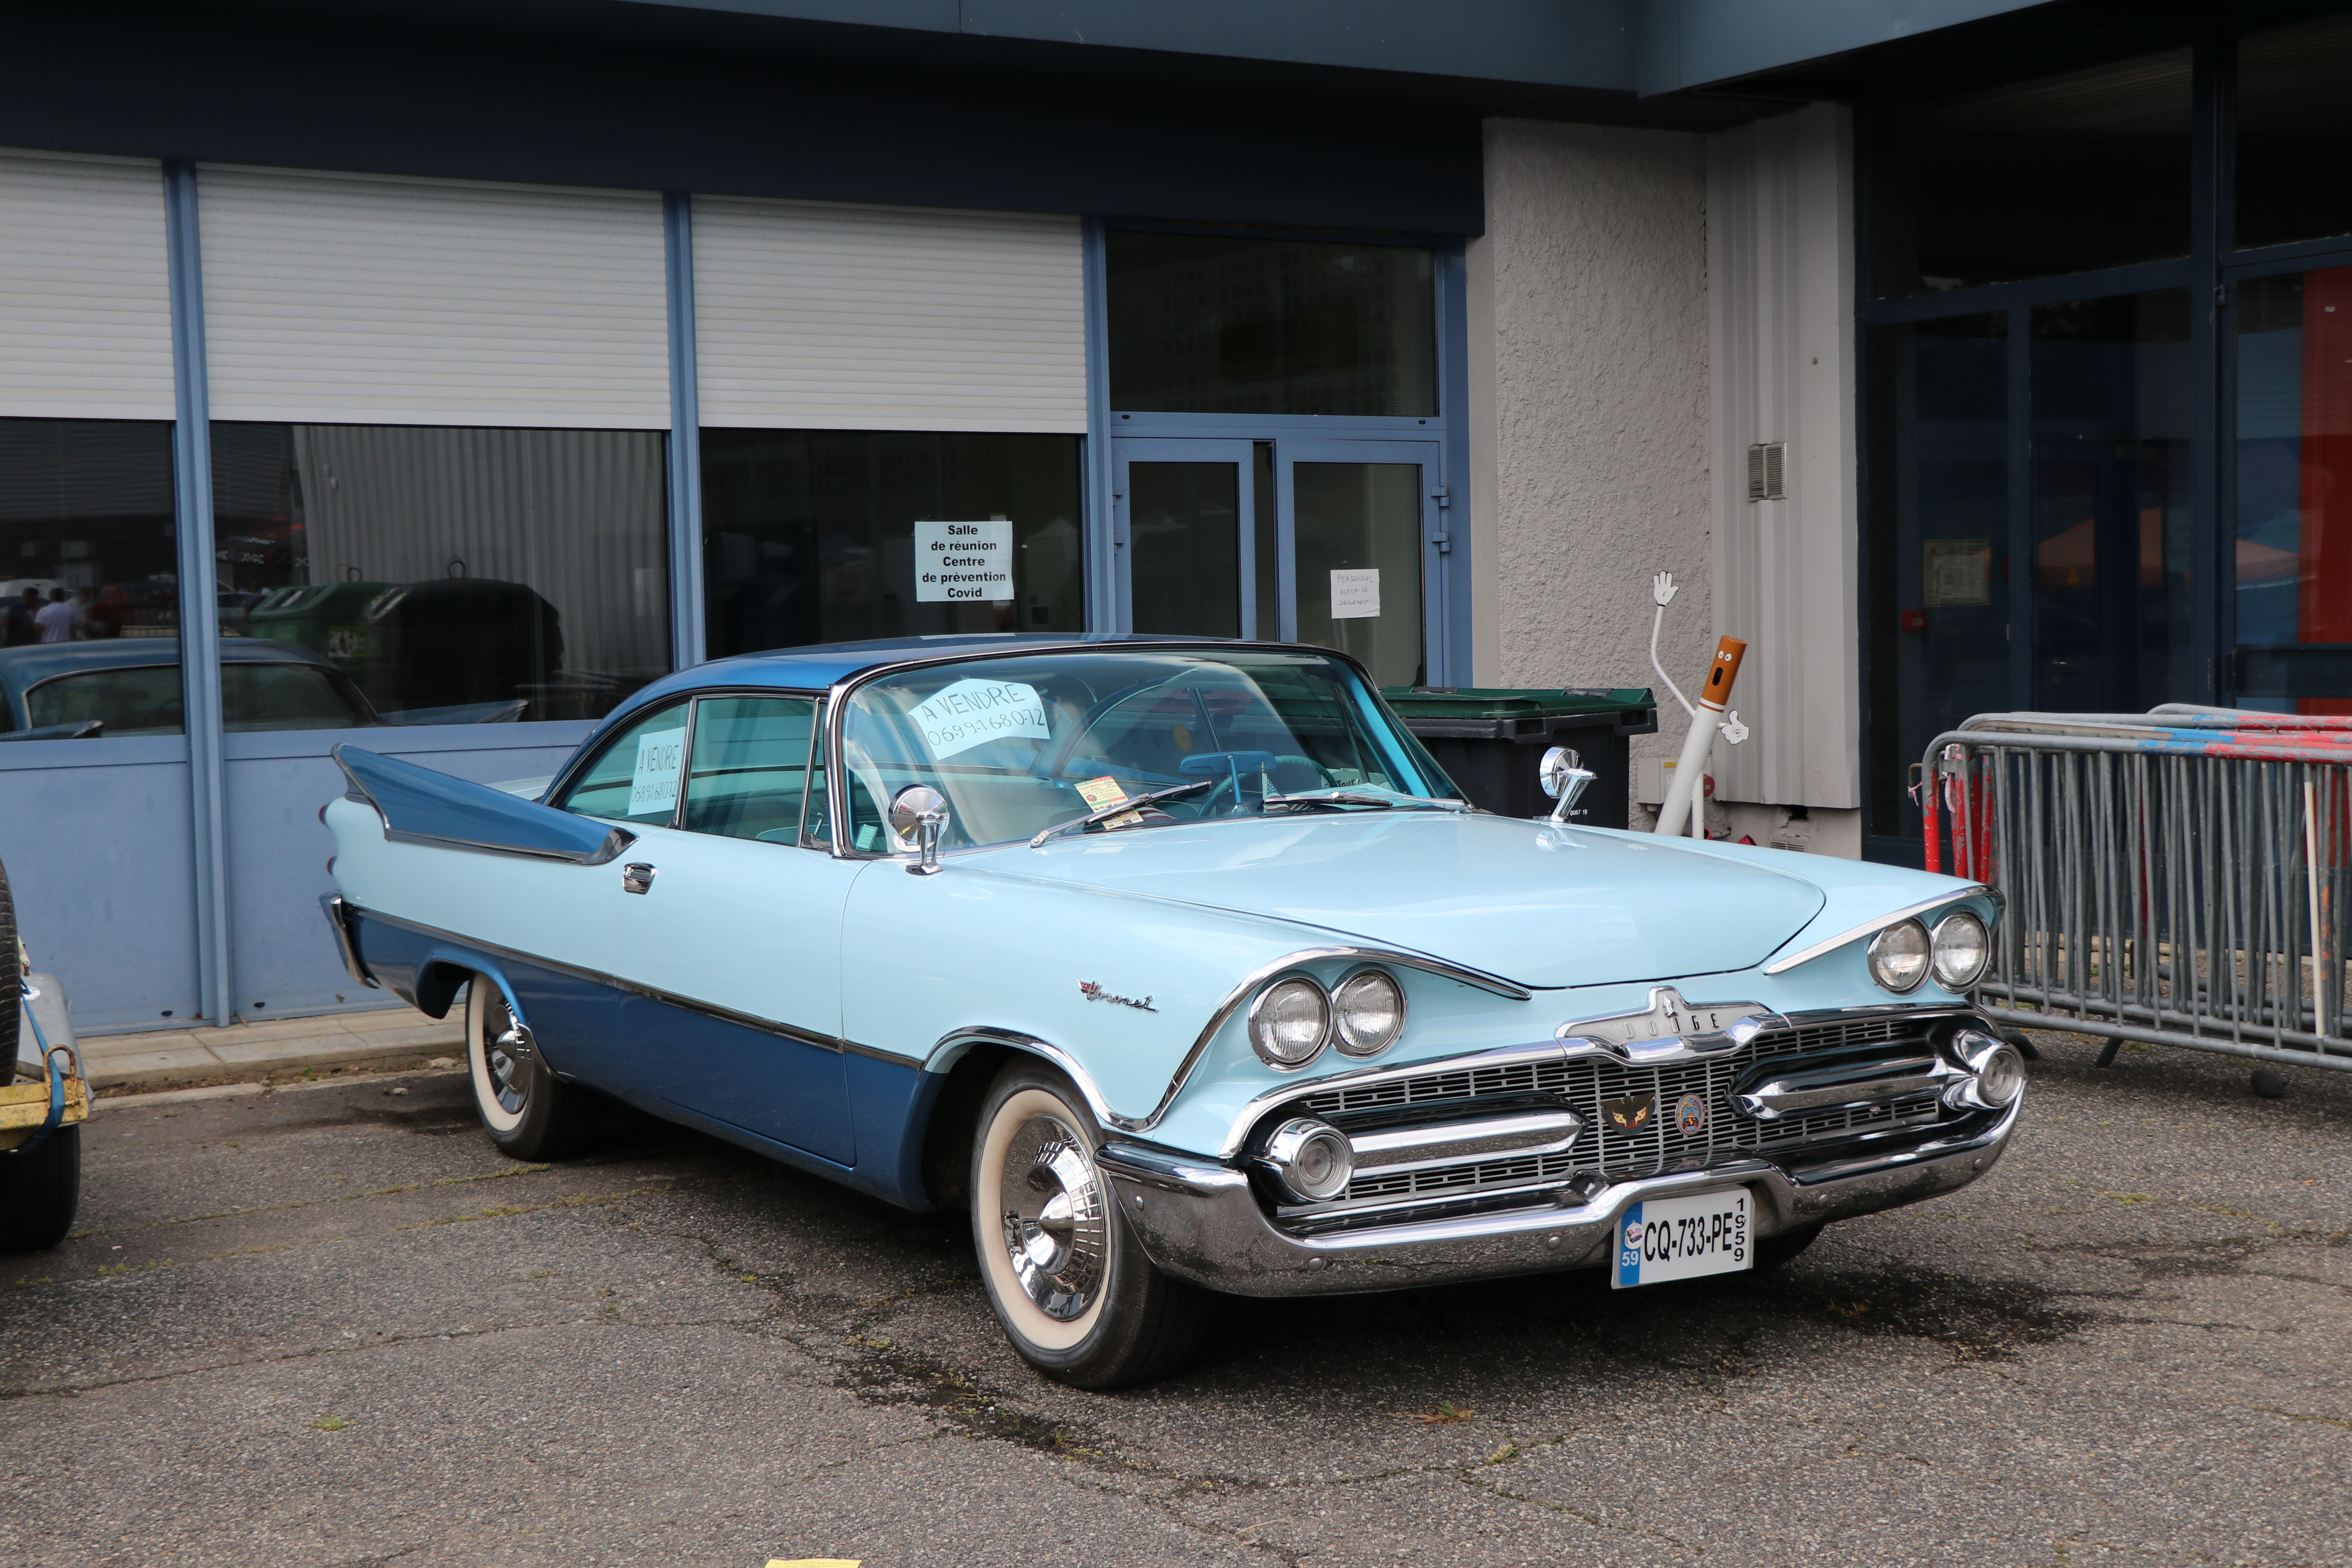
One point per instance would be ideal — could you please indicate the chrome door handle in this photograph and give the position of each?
(636, 877)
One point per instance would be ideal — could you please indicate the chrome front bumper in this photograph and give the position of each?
(1200, 1221)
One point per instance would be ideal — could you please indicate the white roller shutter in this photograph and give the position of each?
(855, 318)
(347, 298)
(85, 289)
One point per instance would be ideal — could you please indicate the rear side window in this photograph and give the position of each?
(141, 701)
(290, 697)
(635, 777)
(749, 776)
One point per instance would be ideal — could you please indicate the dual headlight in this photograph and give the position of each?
(1955, 952)
(1294, 1018)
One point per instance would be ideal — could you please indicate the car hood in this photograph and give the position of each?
(1541, 905)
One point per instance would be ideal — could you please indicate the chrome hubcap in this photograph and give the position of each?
(1055, 1232)
(507, 1052)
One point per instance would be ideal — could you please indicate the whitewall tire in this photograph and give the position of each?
(529, 1112)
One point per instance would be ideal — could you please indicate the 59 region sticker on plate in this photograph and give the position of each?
(1683, 1238)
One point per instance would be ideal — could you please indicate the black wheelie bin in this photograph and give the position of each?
(1490, 740)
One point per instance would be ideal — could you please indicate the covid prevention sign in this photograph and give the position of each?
(964, 563)
(971, 712)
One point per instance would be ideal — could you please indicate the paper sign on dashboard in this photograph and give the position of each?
(972, 712)
(653, 786)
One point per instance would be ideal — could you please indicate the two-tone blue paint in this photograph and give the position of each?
(810, 1005)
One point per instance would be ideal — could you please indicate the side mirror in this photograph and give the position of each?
(919, 815)
(1563, 776)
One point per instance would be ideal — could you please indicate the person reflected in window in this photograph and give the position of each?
(107, 617)
(56, 619)
(19, 624)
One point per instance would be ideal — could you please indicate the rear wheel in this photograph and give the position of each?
(529, 1112)
(1077, 1296)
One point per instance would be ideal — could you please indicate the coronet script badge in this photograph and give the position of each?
(1630, 1114)
(1094, 993)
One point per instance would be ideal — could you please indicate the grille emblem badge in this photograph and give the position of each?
(1670, 1027)
(1690, 1115)
(1630, 1114)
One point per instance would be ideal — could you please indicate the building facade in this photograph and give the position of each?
(433, 379)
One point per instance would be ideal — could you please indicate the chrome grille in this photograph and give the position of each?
(1585, 1082)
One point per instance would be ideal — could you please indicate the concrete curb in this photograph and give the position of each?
(225, 1090)
(379, 1040)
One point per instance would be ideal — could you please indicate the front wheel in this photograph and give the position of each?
(1077, 1296)
(529, 1112)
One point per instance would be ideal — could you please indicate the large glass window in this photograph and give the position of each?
(89, 580)
(2293, 136)
(2110, 504)
(1939, 519)
(2293, 553)
(455, 575)
(813, 536)
(2063, 174)
(1225, 324)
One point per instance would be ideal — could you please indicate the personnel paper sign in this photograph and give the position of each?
(653, 786)
(972, 712)
(1355, 596)
(964, 563)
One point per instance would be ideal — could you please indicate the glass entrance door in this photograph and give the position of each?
(1297, 539)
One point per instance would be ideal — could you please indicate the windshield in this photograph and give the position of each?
(1021, 744)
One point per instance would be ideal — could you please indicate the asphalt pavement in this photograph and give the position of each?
(332, 1325)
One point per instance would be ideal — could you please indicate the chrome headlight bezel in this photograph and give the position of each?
(1261, 1026)
(1938, 941)
(1293, 1144)
(1347, 1041)
(1881, 956)
(1996, 1072)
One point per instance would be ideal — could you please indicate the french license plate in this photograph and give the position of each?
(1684, 1238)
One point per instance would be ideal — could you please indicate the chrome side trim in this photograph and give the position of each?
(940, 1060)
(1265, 972)
(1363, 1078)
(1533, 1132)
(336, 911)
(1872, 927)
(1203, 1223)
(635, 988)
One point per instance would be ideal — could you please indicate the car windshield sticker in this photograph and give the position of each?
(653, 786)
(972, 712)
(1105, 791)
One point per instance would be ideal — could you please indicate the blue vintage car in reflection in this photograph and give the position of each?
(1180, 965)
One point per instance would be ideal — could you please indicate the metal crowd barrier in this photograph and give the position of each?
(2177, 877)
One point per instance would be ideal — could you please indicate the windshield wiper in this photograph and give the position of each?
(1120, 807)
(1383, 800)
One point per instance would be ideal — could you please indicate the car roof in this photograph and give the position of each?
(815, 668)
(25, 667)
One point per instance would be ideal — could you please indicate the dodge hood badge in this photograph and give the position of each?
(1671, 1026)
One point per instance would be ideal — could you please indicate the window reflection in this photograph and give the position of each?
(2063, 174)
(1219, 324)
(89, 579)
(2110, 504)
(1939, 640)
(2293, 135)
(813, 536)
(2293, 550)
(452, 575)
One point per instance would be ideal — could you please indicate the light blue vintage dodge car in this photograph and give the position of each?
(1183, 967)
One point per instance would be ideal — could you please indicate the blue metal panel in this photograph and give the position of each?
(283, 960)
(1105, 560)
(782, 1090)
(890, 1104)
(685, 436)
(192, 483)
(1693, 43)
(1451, 642)
(96, 837)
